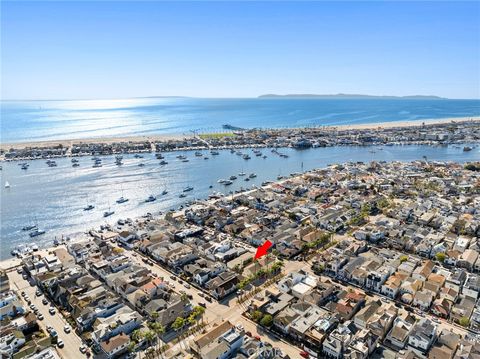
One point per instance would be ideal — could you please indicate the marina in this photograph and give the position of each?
(45, 193)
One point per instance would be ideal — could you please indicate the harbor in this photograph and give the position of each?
(65, 201)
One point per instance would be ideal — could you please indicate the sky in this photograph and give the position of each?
(78, 50)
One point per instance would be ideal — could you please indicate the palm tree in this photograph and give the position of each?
(184, 297)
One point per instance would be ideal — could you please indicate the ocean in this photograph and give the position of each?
(53, 120)
(54, 197)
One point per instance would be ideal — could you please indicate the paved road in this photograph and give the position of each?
(225, 310)
(71, 340)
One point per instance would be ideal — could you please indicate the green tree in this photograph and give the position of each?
(267, 320)
(464, 322)
(137, 335)
(403, 258)
(440, 257)
(178, 324)
(257, 315)
(131, 347)
(149, 337)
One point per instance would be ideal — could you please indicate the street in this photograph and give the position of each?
(71, 340)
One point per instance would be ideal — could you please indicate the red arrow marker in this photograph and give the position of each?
(262, 250)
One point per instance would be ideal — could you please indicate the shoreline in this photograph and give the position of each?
(176, 137)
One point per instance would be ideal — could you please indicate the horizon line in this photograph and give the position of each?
(262, 96)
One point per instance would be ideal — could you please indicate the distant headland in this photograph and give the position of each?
(354, 97)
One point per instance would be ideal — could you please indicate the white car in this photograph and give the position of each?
(60, 343)
(67, 329)
(51, 310)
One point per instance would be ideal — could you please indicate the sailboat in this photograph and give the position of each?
(7, 185)
(122, 199)
(108, 213)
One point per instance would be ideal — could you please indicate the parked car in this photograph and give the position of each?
(51, 310)
(60, 343)
(304, 354)
(67, 329)
(40, 316)
(44, 301)
(187, 286)
(83, 349)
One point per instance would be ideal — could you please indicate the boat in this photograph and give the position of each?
(37, 232)
(51, 163)
(205, 157)
(118, 162)
(182, 157)
(163, 163)
(122, 200)
(258, 154)
(151, 198)
(7, 185)
(252, 175)
(247, 179)
(198, 154)
(215, 195)
(233, 178)
(24, 166)
(76, 164)
(231, 127)
(221, 180)
(188, 189)
(74, 160)
(119, 157)
(242, 174)
(89, 207)
(467, 148)
(96, 165)
(138, 156)
(264, 156)
(185, 160)
(141, 164)
(164, 192)
(34, 247)
(108, 213)
(232, 150)
(182, 195)
(29, 227)
(159, 156)
(279, 177)
(227, 183)
(214, 153)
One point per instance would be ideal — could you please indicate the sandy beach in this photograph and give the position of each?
(167, 137)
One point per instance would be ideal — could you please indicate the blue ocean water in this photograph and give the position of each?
(49, 120)
(54, 197)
